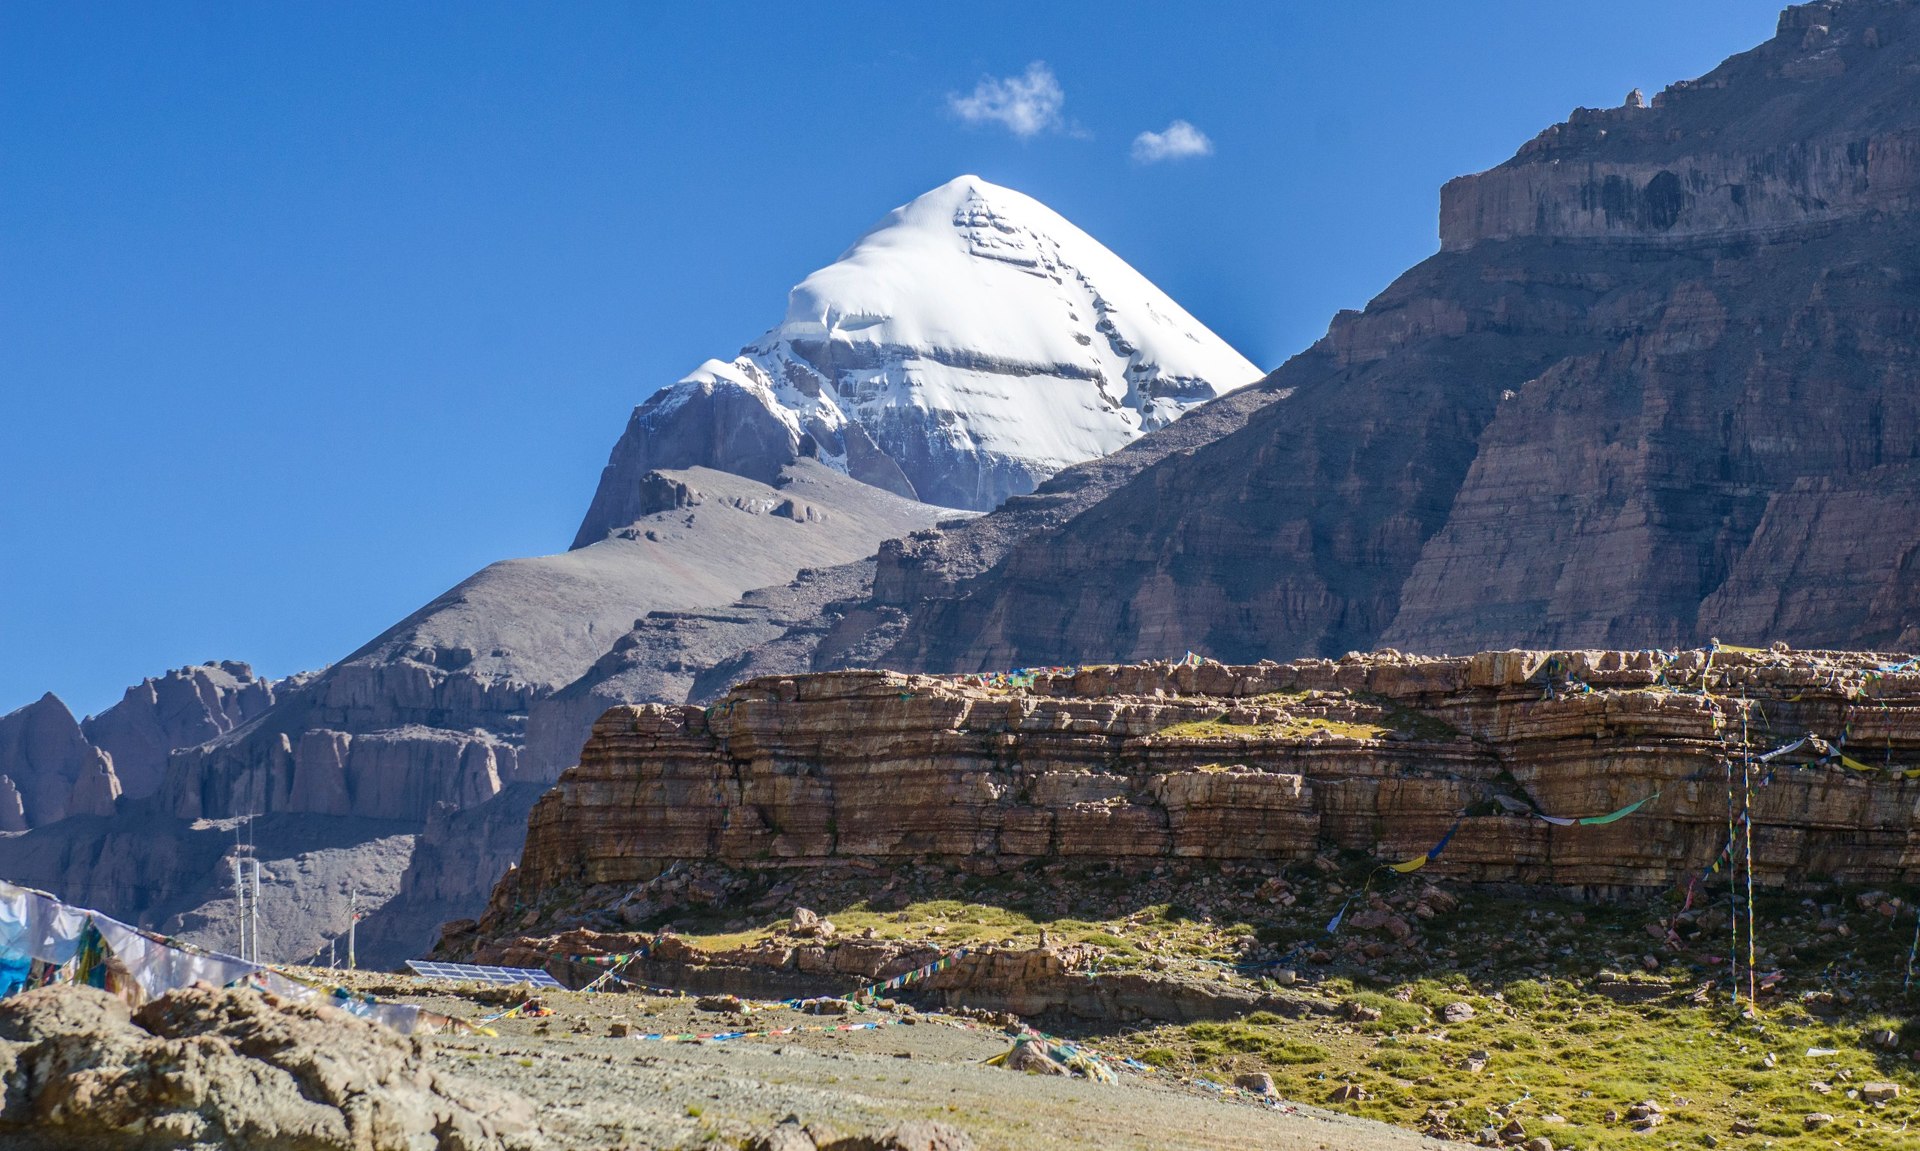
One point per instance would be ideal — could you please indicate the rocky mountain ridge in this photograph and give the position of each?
(1589, 420)
(954, 330)
(52, 766)
(967, 347)
(1654, 388)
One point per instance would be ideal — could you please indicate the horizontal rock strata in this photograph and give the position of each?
(1274, 762)
(1062, 980)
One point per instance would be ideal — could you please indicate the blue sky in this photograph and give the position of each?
(309, 310)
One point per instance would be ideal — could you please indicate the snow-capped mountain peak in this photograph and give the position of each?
(968, 346)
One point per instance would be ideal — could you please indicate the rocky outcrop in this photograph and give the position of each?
(416, 733)
(1803, 130)
(183, 708)
(51, 771)
(435, 710)
(1655, 388)
(52, 767)
(1272, 762)
(205, 1067)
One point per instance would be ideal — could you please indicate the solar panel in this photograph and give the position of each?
(472, 973)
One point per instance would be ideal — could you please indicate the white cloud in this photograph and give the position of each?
(1179, 141)
(1026, 105)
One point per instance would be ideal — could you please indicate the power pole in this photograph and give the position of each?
(246, 892)
(253, 912)
(240, 904)
(353, 924)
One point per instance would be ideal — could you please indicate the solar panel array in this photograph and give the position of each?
(473, 973)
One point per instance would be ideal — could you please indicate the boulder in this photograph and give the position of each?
(1258, 1082)
(224, 1067)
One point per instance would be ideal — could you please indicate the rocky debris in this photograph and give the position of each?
(919, 1135)
(1816, 1119)
(1646, 1115)
(808, 925)
(726, 1003)
(1357, 1012)
(1879, 1092)
(786, 1135)
(203, 1066)
(913, 1135)
(1457, 1012)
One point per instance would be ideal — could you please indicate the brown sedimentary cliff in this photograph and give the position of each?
(1271, 762)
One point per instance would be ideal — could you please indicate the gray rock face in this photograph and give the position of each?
(455, 859)
(1808, 128)
(713, 424)
(420, 729)
(176, 874)
(51, 770)
(52, 767)
(184, 707)
(694, 655)
(1577, 425)
(436, 709)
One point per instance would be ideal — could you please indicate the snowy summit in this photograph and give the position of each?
(970, 345)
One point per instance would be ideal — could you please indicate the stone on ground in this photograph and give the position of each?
(205, 1067)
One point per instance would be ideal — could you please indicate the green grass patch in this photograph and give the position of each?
(1265, 1042)
(1556, 1050)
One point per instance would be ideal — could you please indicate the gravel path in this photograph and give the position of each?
(598, 1091)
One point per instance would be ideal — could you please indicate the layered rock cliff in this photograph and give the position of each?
(1387, 755)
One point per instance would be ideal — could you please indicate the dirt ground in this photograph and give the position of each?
(595, 1090)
